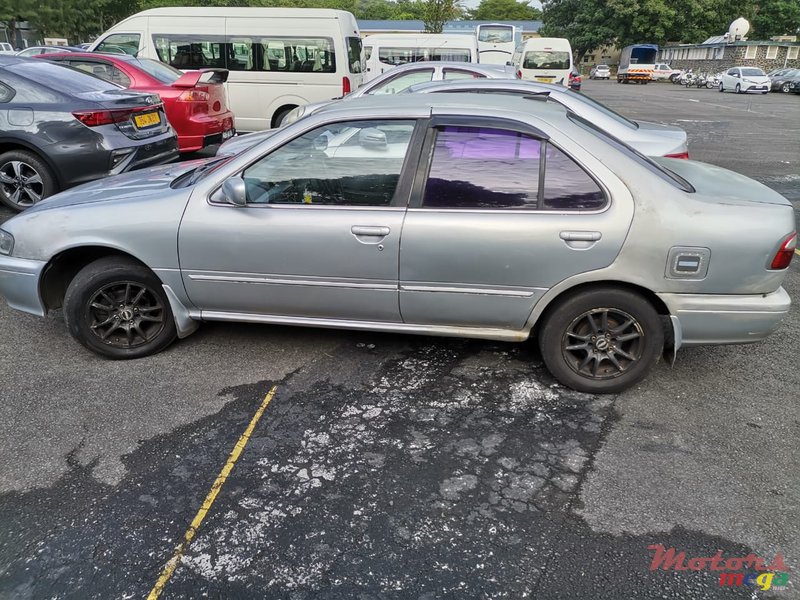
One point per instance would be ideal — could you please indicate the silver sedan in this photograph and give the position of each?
(652, 139)
(518, 219)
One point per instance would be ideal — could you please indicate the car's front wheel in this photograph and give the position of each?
(601, 341)
(24, 179)
(785, 88)
(738, 89)
(117, 308)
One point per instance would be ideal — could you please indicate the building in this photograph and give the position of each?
(719, 53)
(367, 27)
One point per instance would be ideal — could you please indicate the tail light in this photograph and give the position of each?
(194, 96)
(519, 74)
(684, 155)
(95, 118)
(346, 89)
(783, 257)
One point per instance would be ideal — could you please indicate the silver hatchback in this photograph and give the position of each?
(445, 214)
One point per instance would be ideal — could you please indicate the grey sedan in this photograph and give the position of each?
(518, 219)
(653, 139)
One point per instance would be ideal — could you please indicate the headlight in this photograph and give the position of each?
(293, 115)
(6, 242)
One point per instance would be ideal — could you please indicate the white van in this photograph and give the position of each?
(548, 60)
(278, 58)
(383, 51)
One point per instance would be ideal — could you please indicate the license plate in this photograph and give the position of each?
(227, 134)
(545, 79)
(147, 120)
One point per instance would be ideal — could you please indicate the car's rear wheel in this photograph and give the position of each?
(601, 341)
(785, 88)
(117, 308)
(25, 179)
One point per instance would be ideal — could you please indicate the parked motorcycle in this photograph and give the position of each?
(713, 81)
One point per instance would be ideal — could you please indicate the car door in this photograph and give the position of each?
(499, 215)
(319, 236)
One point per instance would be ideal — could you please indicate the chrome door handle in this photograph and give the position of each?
(369, 231)
(580, 236)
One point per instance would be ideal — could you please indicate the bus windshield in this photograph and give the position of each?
(496, 35)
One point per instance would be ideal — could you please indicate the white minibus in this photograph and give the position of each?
(383, 51)
(548, 60)
(496, 43)
(278, 58)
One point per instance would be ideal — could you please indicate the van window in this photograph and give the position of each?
(189, 51)
(120, 43)
(544, 59)
(400, 56)
(354, 55)
(450, 54)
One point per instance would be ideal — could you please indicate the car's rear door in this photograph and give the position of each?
(320, 234)
(499, 215)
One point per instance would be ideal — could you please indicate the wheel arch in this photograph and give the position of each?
(63, 266)
(11, 144)
(283, 108)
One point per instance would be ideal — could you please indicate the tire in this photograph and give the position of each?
(136, 323)
(709, 85)
(738, 89)
(571, 324)
(721, 88)
(785, 88)
(24, 179)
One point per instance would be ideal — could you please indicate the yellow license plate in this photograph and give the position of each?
(147, 120)
(545, 79)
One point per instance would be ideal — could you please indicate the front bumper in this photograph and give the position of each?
(723, 319)
(19, 284)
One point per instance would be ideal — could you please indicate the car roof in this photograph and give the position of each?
(488, 84)
(415, 104)
(476, 67)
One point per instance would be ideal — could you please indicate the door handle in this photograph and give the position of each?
(580, 236)
(369, 231)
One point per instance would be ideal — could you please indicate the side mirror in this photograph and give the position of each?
(234, 190)
(372, 138)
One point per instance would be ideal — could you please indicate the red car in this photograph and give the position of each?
(194, 101)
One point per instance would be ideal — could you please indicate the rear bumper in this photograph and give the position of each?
(19, 284)
(723, 319)
(200, 131)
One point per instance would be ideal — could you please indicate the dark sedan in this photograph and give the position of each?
(782, 82)
(794, 86)
(60, 127)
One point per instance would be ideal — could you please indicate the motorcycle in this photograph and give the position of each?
(713, 81)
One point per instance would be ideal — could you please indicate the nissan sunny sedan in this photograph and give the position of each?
(469, 215)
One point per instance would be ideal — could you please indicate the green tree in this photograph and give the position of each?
(776, 17)
(504, 10)
(437, 12)
(585, 23)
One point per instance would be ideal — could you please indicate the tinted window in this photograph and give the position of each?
(544, 59)
(496, 35)
(567, 186)
(102, 70)
(401, 82)
(354, 54)
(61, 78)
(400, 56)
(450, 54)
(158, 70)
(296, 55)
(186, 51)
(350, 164)
(120, 43)
(476, 167)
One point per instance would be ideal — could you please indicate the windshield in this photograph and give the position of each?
(496, 35)
(546, 59)
(158, 70)
(61, 78)
(752, 73)
(602, 108)
(661, 172)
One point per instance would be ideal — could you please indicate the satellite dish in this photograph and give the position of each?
(738, 29)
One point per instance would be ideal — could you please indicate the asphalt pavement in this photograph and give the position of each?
(390, 466)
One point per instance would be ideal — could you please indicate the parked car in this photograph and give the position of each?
(393, 81)
(36, 50)
(60, 127)
(518, 219)
(781, 82)
(600, 72)
(745, 79)
(575, 80)
(664, 72)
(195, 101)
(6, 48)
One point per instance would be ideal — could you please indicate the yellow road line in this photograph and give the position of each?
(170, 567)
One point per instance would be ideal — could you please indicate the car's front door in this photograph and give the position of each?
(319, 236)
(502, 215)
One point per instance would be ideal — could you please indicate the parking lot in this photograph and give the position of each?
(389, 466)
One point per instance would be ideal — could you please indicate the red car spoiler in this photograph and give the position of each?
(192, 78)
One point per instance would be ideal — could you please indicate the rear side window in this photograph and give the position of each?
(399, 83)
(158, 70)
(61, 78)
(6, 93)
(476, 167)
(354, 55)
(459, 74)
(567, 186)
(102, 70)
